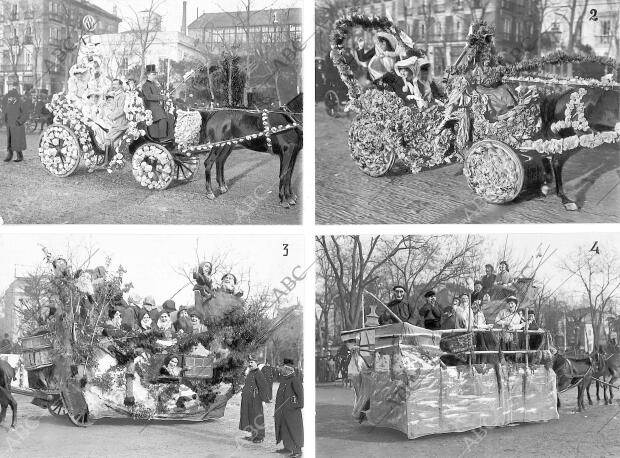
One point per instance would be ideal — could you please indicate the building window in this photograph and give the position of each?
(507, 26)
(28, 59)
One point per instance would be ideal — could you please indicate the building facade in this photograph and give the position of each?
(121, 51)
(39, 39)
(221, 32)
(9, 322)
(441, 26)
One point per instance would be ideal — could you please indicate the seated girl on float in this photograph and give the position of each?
(416, 85)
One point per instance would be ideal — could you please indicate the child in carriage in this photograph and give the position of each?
(417, 86)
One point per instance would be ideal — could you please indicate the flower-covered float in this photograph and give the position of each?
(82, 365)
(511, 125)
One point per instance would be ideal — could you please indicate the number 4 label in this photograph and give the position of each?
(595, 248)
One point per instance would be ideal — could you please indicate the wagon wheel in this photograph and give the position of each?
(184, 168)
(75, 404)
(30, 125)
(377, 159)
(57, 407)
(59, 150)
(332, 103)
(152, 166)
(493, 171)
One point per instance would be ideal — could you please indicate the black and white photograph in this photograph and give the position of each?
(151, 345)
(467, 345)
(151, 111)
(467, 111)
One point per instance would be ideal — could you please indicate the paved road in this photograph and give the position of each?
(591, 433)
(30, 195)
(39, 435)
(345, 195)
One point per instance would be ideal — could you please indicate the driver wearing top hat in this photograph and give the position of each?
(153, 96)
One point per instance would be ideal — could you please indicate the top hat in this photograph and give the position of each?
(151, 68)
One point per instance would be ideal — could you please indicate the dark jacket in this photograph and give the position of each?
(15, 115)
(153, 99)
(401, 309)
(448, 320)
(487, 282)
(431, 315)
(255, 391)
(288, 420)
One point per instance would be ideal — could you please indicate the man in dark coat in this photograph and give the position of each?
(289, 402)
(153, 96)
(400, 307)
(431, 312)
(255, 392)
(488, 280)
(15, 116)
(478, 293)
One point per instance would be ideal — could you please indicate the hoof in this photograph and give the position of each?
(544, 190)
(571, 206)
(210, 196)
(223, 189)
(285, 204)
(292, 201)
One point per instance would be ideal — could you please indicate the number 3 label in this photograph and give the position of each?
(285, 249)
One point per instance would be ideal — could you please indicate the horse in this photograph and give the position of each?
(606, 365)
(602, 111)
(570, 372)
(229, 124)
(7, 373)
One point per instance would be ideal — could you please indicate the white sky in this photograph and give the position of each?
(172, 10)
(150, 259)
(526, 245)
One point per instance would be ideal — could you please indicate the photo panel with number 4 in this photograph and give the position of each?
(442, 338)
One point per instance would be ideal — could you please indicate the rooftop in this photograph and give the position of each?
(237, 18)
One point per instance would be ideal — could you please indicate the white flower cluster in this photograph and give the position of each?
(579, 124)
(266, 129)
(135, 111)
(557, 146)
(58, 150)
(604, 83)
(152, 166)
(187, 128)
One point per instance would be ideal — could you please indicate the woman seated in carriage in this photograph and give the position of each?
(416, 85)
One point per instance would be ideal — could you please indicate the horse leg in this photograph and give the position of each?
(558, 164)
(598, 398)
(7, 399)
(558, 403)
(208, 165)
(291, 194)
(219, 168)
(588, 393)
(611, 390)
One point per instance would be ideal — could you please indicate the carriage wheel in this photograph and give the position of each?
(152, 166)
(59, 150)
(76, 411)
(493, 171)
(184, 168)
(30, 125)
(57, 407)
(374, 159)
(332, 103)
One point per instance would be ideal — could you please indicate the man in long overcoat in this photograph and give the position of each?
(289, 402)
(15, 116)
(400, 307)
(255, 392)
(154, 101)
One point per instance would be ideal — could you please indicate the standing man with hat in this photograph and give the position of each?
(153, 96)
(431, 312)
(255, 391)
(399, 306)
(510, 320)
(289, 402)
(15, 116)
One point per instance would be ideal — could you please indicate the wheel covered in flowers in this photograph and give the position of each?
(152, 166)
(498, 174)
(59, 150)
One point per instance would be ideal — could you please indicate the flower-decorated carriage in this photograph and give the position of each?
(88, 369)
(79, 135)
(509, 124)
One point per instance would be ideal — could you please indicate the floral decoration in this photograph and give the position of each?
(575, 103)
(187, 128)
(152, 166)
(58, 150)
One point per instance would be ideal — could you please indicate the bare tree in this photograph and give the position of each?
(145, 26)
(354, 264)
(572, 13)
(599, 275)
